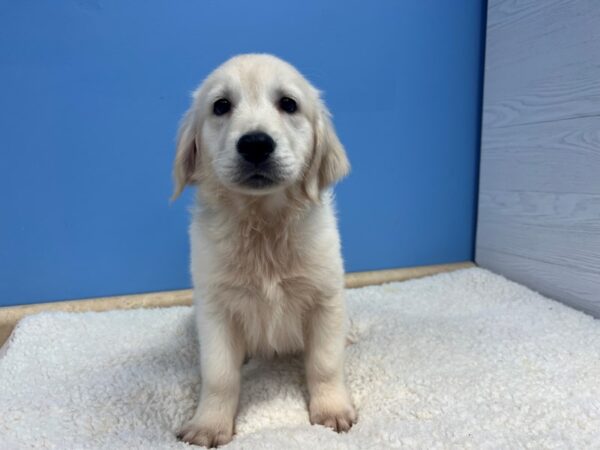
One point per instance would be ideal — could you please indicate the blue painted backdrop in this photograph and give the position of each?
(92, 91)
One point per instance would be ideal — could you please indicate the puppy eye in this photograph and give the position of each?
(221, 106)
(288, 105)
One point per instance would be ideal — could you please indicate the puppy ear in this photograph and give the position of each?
(329, 162)
(186, 154)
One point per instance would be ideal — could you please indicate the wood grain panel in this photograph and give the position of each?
(522, 30)
(561, 229)
(548, 157)
(545, 101)
(539, 195)
(541, 61)
(572, 286)
(564, 212)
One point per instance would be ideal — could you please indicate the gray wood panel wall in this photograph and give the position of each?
(539, 194)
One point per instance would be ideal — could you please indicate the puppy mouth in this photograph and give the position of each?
(258, 180)
(260, 177)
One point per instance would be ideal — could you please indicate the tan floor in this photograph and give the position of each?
(9, 316)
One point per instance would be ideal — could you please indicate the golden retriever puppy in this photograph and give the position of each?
(266, 265)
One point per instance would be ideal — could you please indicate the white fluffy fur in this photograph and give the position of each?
(266, 263)
(465, 360)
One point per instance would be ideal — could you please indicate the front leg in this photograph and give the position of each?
(330, 404)
(221, 357)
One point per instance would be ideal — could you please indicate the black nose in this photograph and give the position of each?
(255, 147)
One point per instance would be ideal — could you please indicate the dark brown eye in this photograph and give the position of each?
(221, 106)
(288, 105)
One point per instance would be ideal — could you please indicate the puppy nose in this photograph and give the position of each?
(255, 147)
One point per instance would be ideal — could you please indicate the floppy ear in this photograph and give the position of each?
(329, 162)
(186, 154)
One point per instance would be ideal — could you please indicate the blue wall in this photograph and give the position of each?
(92, 91)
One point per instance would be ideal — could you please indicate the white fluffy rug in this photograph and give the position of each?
(459, 360)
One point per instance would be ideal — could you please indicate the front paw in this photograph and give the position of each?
(339, 418)
(205, 434)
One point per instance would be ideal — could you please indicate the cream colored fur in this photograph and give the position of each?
(266, 264)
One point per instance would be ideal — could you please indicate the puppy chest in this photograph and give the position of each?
(272, 316)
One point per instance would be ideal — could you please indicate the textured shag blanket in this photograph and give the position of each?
(458, 360)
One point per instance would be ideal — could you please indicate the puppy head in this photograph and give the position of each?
(257, 126)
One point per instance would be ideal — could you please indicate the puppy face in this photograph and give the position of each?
(258, 126)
